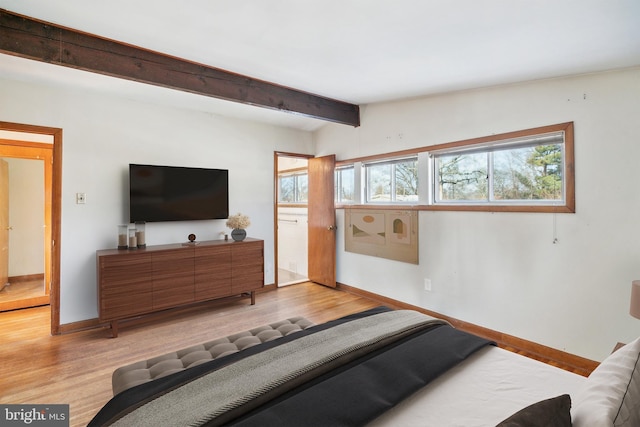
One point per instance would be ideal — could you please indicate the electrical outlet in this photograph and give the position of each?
(81, 198)
(427, 284)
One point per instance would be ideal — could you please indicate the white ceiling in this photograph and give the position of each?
(359, 51)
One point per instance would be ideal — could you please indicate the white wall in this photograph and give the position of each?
(502, 270)
(103, 134)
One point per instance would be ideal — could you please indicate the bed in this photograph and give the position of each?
(383, 367)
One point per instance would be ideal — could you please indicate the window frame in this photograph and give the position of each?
(426, 174)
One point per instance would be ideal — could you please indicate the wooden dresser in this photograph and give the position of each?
(142, 281)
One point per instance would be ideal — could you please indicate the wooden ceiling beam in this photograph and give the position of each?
(42, 41)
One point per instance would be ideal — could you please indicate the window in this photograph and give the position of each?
(345, 185)
(526, 170)
(392, 181)
(523, 171)
(461, 177)
(293, 188)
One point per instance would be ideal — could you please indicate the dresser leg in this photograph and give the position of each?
(253, 297)
(114, 329)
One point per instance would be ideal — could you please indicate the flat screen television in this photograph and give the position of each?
(171, 193)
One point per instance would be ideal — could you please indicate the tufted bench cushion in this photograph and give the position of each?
(147, 370)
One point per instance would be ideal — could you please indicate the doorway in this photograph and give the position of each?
(33, 156)
(23, 228)
(291, 218)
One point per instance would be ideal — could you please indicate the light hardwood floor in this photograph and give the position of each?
(76, 368)
(22, 290)
(286, 277)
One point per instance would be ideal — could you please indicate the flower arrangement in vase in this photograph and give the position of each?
(237, 223)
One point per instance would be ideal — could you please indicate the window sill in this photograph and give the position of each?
(462, 208)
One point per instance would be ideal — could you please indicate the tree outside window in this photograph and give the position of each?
(293, 188)
(395, 181)
(518, 173)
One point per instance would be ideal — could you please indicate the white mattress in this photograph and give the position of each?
(482, 391)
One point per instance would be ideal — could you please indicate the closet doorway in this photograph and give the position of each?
(30, 217)
(291, 218)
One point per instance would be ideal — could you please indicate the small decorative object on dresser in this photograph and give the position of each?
(238, 223)
(192, 240)
(141, 238)
(133, 240)
(123, 236)
(238, 234)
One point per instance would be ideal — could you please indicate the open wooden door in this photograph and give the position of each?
(4, 223)
(322, 221)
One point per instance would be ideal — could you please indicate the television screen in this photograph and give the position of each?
(170, 193)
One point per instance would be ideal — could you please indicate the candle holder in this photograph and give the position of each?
(133, 241)
(123, 236)
(140, 234)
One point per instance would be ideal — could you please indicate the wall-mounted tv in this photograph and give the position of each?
(170, 193)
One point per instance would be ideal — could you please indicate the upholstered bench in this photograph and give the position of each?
(157, 367)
